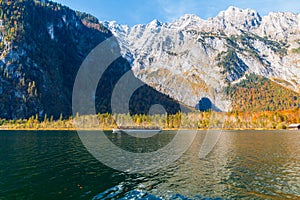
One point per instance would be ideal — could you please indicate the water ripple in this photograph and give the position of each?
(243, 164)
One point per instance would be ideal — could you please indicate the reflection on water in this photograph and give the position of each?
(243, 164)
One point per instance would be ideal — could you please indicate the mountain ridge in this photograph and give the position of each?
(229, 12)
(219, 50)
(42, 46)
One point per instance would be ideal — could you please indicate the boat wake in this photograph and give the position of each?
(119, 192)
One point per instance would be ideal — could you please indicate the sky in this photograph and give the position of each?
(133, 12)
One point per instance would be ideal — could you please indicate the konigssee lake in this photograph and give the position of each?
(243, 164)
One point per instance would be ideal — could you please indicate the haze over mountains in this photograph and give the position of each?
(191, 57)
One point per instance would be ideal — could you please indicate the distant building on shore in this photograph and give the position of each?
(294, 127)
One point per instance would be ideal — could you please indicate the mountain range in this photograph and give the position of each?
(42, 46)
(238, 60)
(192, 58)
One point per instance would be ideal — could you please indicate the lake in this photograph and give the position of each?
(243, 164)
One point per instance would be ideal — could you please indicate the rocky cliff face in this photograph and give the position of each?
(42, 45)
(193, 58)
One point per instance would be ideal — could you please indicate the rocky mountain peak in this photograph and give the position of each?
(115, 27)
(231, 10)
(187, 21)
(43, 45)
(240, 18)
(154, 24)
(191, 57)
(280, 25)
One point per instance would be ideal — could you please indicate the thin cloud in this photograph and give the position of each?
(285, 6)
(174, 9)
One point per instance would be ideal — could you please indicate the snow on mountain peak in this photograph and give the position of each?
(187, 21)
(231, 10)
(154, 24)
(190, 17)
(246, 18)
(116, 28)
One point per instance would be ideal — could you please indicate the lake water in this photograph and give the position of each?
(243, 164)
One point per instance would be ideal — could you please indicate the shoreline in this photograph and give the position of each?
(110, 129)
(237, 121)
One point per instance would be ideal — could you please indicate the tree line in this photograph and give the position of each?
(192, 120)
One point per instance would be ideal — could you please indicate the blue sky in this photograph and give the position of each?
(133, 12)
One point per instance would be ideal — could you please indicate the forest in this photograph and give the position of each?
(194, 120)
